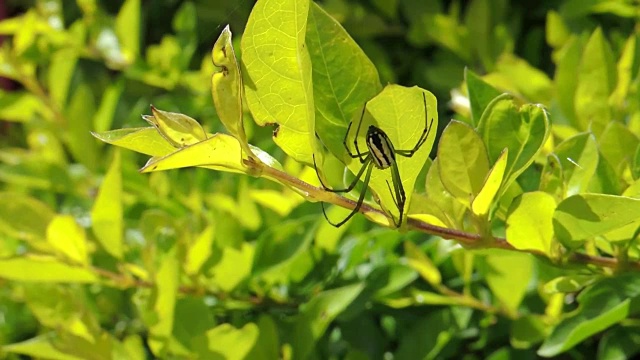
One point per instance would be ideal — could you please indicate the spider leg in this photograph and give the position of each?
(367, 163)
(425, 132)
(360, 199)
(360, 156)
(400, 197)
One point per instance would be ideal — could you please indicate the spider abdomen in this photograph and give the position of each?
(380, 147)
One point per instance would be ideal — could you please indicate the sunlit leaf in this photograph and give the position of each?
(277, 74)
(233, 268)
(463, 161)
(68, 238)
(127, 28)
(24, 217)
(399, 112)
(42, 346)
(178, 129)
(338, 94)
(596, 80)
(418, 261)
(231, 343)
(107, 213)
(581, 217)
(44, 269)
(218, 152)
(578, 157)
(529, 223)
(522, 130)
(508, 277)
(200, 250)
(226, 88)
(482, 202)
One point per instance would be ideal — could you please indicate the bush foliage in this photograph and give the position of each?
(523, 203)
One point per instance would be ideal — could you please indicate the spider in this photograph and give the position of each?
(381, 154)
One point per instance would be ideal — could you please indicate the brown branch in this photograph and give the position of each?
(465, 238)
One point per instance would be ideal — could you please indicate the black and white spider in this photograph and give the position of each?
(381, 154)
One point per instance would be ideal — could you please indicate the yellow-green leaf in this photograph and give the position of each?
(482, 202)
(200, 250)
(530, 222)
(227, 342)
(44, 269)
(277, 74)
(107, 212)
(226, 88)
(399, 112)
(421, 263)
(178, 129)
(67, 237)
(219, 152)
(463, 161)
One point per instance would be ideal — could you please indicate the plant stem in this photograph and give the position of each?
(465, 238)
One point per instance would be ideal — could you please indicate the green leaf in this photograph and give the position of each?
(218, 152)
(578, 156)
(527, 331)
(427, 336)
(80, 111)
(463, 161)
(508, 276)
(399, 112)
(44, 269)
(607, 302)
(452, 211)
(480, 95)
(596, 80)
(635, 166)
(178, 129)
(267, 345)
(621, 342)
(21, 106)
(532, 83)
(421, 263)
(107, 211)
(143, 140)
(227, 342)
(61, 69)
(557, 31)
(485, 198)
(226, 88)
(614, 145)
(200, 250)
(24, 217)
(529, 222)
(68, 238)
(316, 315)
(627, 71)
(63, 308)
(566, 81)
(233, 268)
(277, 74)
(127, 29)
(165, 295)
(338, 94)
(280, 245)
(523, 131)
(108, 105)
(42, 346)
(569, 283)
(581, 217)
